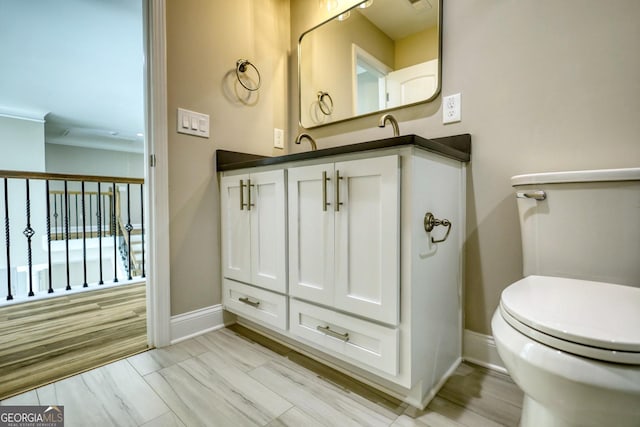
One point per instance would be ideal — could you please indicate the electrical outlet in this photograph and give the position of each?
(278, 138)
(451, 108)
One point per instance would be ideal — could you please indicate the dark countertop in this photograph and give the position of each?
(456, 147)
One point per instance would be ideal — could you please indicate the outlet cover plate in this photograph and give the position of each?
(451, 108)
(278, 138)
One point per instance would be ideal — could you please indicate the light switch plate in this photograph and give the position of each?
(451, 108)
(193, 123)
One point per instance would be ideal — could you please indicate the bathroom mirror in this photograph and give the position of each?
(379, 55)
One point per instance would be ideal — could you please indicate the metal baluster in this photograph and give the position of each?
(90, 216)
(55, 213)
(28, 233)
(142, 225)
(6, 230)
(104, 214)
(77, 222)
(84, 235)
(66, 232)
(49, 233)
(129, 227)
(100, 282)
(115, 236)
(102, 204)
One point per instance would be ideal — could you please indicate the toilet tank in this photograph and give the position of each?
(581, 224)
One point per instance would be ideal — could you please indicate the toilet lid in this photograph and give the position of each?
(597, 320)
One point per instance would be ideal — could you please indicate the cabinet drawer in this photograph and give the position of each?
(256, 304)
(362, 343)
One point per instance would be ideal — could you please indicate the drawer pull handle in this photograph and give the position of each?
(247, 301)
(327, 331)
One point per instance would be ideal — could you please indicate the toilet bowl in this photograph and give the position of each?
(573, 347)
(569, 332)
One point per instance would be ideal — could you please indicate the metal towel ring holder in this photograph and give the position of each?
(241, 67)
(326, 109)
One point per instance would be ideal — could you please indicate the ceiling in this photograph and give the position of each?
(79, 64)
(401, 18)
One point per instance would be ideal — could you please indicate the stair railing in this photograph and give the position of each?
(31, 201)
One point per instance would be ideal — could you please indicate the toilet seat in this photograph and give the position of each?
(592, 319)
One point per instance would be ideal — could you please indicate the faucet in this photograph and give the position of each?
(302, 136)
(394, 123)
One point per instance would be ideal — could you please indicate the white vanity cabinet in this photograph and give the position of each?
(343, 236)
(253, 221)
(369, 290)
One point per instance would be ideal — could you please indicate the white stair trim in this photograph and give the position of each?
(481, 349)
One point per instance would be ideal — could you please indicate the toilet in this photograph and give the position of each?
(569, 331)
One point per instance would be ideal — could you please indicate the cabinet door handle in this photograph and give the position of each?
(247, 301)
(242, 203)
(327, 331)
(324, 191)
(249, 204)
(338, 202)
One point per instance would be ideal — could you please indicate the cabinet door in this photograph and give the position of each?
(268, 254)
(367, 238)
(235, 220)
(311, 231)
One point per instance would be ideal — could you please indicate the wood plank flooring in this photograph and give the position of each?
(46, 340)
(233, 377)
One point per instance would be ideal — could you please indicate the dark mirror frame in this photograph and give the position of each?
(325, 101)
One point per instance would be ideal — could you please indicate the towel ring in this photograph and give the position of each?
(241, 67)
(326, 109)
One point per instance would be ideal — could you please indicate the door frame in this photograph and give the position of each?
(157, 174)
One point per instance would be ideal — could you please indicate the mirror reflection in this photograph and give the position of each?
(379, 55)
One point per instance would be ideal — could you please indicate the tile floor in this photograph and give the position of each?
(224, 379)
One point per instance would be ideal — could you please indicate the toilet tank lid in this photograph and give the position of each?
(598, 175)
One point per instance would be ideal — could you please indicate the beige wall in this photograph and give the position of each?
(545, 85)
(417, 48)
(205, 38)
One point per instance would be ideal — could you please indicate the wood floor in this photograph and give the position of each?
(225, 378)
(46, 340)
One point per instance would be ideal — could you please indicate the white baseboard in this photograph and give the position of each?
(197, 322)
(481, 350)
